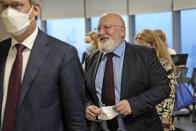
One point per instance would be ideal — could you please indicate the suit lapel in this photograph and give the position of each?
(36, 59)
(127, 69)
(4, 49)
(94, 76)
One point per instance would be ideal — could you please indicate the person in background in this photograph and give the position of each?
(91, 44)
(162, 36)
(150, 39)
(41, 78)
(126, 78)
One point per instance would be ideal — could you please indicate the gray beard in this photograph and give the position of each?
(108, 46)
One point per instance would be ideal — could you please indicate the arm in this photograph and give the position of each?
(92, 110)
(165, 108)
(72, 92)
(158, 87)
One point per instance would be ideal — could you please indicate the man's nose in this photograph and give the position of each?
(101, 31)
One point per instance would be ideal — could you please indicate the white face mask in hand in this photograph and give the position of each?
(107, 113)
(15, 22)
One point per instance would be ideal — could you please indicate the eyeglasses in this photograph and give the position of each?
(106, 28)
(14, 5)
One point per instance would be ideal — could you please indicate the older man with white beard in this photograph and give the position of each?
(124, 82)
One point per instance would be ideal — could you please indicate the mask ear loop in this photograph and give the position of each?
(32, 19)
(30, 13)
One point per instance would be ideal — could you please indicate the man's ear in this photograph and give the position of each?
(36, 11)
(122, 32)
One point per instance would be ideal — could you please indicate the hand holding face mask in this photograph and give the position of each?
(107, 113)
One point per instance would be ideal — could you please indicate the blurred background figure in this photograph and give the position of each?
(150, 39)
(91, 44)
(162, 36)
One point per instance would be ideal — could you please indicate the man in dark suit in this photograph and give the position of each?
(51, 86)
(138, 80)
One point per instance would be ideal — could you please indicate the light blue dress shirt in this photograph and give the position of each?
(117, 59)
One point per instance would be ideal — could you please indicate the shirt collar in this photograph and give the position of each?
(120, 49)
(28, 42)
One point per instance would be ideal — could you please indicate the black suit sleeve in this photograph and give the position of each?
(72, 92)
(158, 88)
(89, 97)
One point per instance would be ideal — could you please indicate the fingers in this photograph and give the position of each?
(123, 107)
(119, 107)
(92, 112)
(94, 109)
(123, 111)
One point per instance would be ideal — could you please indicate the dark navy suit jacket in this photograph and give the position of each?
(52, 93)
(144, 84)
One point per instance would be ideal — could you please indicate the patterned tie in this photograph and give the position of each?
(13, 91)
(108, 92)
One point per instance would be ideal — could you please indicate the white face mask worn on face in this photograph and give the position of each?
(15, 22)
